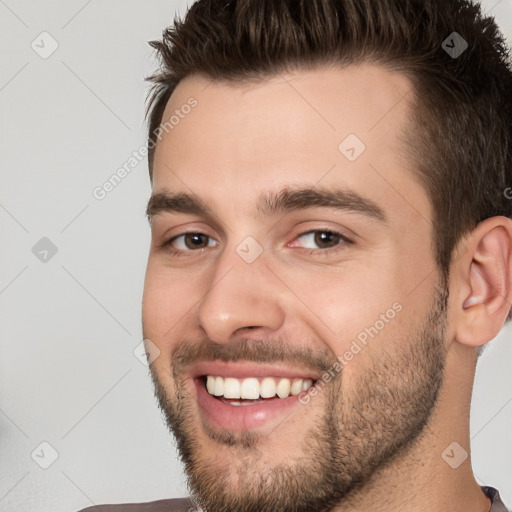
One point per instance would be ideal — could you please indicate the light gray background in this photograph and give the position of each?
(69, 326)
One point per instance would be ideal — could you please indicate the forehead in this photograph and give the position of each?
(327, 125)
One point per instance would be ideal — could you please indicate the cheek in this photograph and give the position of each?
(162, 310)
(169, 301)
(360, 310)
(347, 300)
(158, 304)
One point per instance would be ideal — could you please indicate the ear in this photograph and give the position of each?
(481, 282)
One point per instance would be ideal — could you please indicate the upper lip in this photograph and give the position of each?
(242, 370)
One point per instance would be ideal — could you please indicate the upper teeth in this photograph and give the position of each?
(253, 388)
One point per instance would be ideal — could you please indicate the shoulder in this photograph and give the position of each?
(176, 505)
(494, 495)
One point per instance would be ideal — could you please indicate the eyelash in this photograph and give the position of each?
(179, 252)
(344, 241)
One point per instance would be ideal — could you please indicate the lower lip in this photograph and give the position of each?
(221, 416)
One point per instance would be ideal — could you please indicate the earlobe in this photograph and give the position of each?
(484, 282)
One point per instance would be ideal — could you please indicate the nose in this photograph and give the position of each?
(242, 297)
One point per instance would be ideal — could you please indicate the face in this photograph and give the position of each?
(291, 290)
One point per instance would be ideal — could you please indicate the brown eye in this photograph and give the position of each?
(321, 240)
(196, 241)
(191, 242)
(327, 239)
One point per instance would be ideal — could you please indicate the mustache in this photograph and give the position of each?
(188, 353)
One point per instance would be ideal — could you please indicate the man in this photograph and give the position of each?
(331, 246)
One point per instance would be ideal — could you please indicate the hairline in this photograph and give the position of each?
(393, 65)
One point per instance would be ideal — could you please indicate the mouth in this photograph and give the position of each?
(240, 397)
(253, 390)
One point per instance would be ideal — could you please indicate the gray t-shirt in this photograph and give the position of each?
(497, 504)
(185, 505)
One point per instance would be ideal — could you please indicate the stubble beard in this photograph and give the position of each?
(351, 440)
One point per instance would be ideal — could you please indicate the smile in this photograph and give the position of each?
(254, 388)
(245, 396)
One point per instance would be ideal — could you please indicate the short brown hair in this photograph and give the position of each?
(461, 143)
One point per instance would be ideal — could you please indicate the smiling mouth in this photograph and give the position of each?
(253, 390)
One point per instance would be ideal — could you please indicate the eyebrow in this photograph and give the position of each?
(289, 200)
(166, 202)
(271, 204)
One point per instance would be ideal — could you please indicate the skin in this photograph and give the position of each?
(245, 140)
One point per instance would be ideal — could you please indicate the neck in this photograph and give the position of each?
(433, 473)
